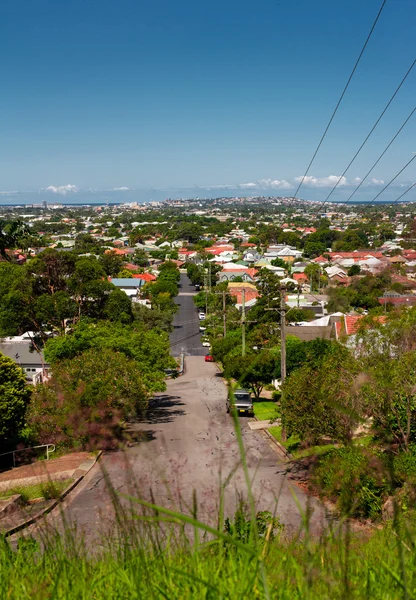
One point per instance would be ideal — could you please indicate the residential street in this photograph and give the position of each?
(186, 337)
(191, 445)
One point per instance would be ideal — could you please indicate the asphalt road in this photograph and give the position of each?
(189, 446)
(185, 336)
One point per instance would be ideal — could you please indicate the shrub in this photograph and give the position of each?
(404, 466)
(355, 477)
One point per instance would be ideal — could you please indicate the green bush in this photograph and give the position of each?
(404, 466)
(355, 477)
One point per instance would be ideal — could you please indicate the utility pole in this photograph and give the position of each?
(243, 322)
(282, 311)
(282, 334)
(224, 315)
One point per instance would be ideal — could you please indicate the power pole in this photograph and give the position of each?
(243, 322)
(282, 311)
(282, 334)
(224, 315)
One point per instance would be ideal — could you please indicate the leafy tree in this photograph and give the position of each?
(354, 270)
(14, 397)
(12, 234)
(118, 307)
(152, 318)
(125, 274)
(279, 262)
(87, 399)
(150, 349)
(140, 258)
(111, 263)
(295, 315)
(388, 349)
(86, 244)
(254, 370)
(324, 399)
(55, 309)
(314, 249)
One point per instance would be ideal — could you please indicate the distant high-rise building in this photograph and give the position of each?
(45, 204)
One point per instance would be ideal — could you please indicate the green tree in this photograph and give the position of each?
(354, 270)
(140, 258)
(118, 307)
(12, 234)
(314, 249)
(254, 370)
(87, 399)
(324, 399)
(111, 263)
(150, 349)
(279, 262)
(14, 397)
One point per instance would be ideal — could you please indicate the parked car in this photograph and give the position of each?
(206, 344)
(201, 316)
(202, 328)
(197, 287)
(243, 402)
(209, 358)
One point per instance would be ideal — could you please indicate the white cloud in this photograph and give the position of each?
(62, 189)
(249, 185)
(322, 182)
(11, 193)
(270, 184)
(123, 188)
(376, 181)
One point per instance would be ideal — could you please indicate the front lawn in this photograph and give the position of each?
(266, 411)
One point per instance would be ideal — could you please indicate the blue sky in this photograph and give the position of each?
(200, 98)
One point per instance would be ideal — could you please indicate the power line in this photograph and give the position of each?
(380, 157)
(370, 133)
(391, 181)
(401, 196)
(341, 97)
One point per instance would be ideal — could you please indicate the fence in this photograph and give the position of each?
(13, 461)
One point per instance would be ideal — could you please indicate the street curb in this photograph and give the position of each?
(53, 505)
(275, 442)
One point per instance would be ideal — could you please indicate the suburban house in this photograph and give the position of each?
(246, 274)
(130, 286)
(20, 349)
(246, 292)
(396, 298)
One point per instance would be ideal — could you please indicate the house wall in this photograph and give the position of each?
(307, 333)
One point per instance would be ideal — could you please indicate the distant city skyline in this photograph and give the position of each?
(146, 101)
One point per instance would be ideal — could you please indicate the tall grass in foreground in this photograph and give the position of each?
(156, 552)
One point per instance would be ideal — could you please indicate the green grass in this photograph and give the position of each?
(140, 562)
(265, 410)
(291, 444)
(39, 490)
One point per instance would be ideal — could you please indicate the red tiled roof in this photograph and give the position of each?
(300, 277)
(238, 294)
(349, 324)
(145, 276)
(397, 300)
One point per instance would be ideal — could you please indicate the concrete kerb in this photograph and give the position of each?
(281, 448)
(55, 503)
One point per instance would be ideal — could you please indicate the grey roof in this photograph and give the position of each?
(127, 282)
(21, 353)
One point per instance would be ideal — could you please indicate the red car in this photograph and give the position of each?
(209, 358)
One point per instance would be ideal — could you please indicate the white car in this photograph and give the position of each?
(201, 316)
(206, 344)
(202, 328)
